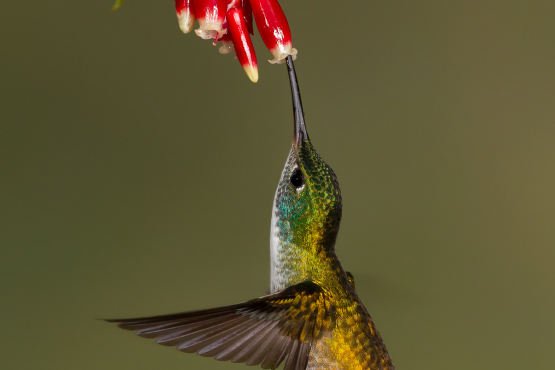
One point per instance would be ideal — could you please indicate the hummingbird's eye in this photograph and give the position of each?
(297, 178)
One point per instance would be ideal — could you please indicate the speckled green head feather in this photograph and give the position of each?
(313, 319)
(306, 217)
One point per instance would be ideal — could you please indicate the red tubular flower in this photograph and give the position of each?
(211, 17)
(233, 4)
(273, 28)
(242, 42)
(185, 14)
(247, 14)
(231, 22)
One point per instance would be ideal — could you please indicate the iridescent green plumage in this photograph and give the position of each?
(314, 318)
(306, 219)
(305, 225)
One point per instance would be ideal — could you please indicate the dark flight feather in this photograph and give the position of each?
(265, 331)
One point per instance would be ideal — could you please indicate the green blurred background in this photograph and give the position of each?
(138, 168)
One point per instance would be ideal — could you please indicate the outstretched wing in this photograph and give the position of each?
(264, 331)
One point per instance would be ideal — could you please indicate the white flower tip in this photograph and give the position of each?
(210, 30)
(252, 73)
(206, 34)
(280, 58)
(186, 21)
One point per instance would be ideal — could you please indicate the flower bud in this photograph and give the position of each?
(211, 17)
(273, 28)
(185, 14)
(242, 42)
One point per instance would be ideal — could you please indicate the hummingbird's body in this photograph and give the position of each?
(313, 317)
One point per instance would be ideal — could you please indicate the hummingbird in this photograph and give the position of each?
(312, 318)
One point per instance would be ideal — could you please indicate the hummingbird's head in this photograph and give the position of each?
(308, 200)
(307, 208)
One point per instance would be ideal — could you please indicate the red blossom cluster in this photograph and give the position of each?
(230, 22)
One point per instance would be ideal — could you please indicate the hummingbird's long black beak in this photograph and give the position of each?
(299, 134)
